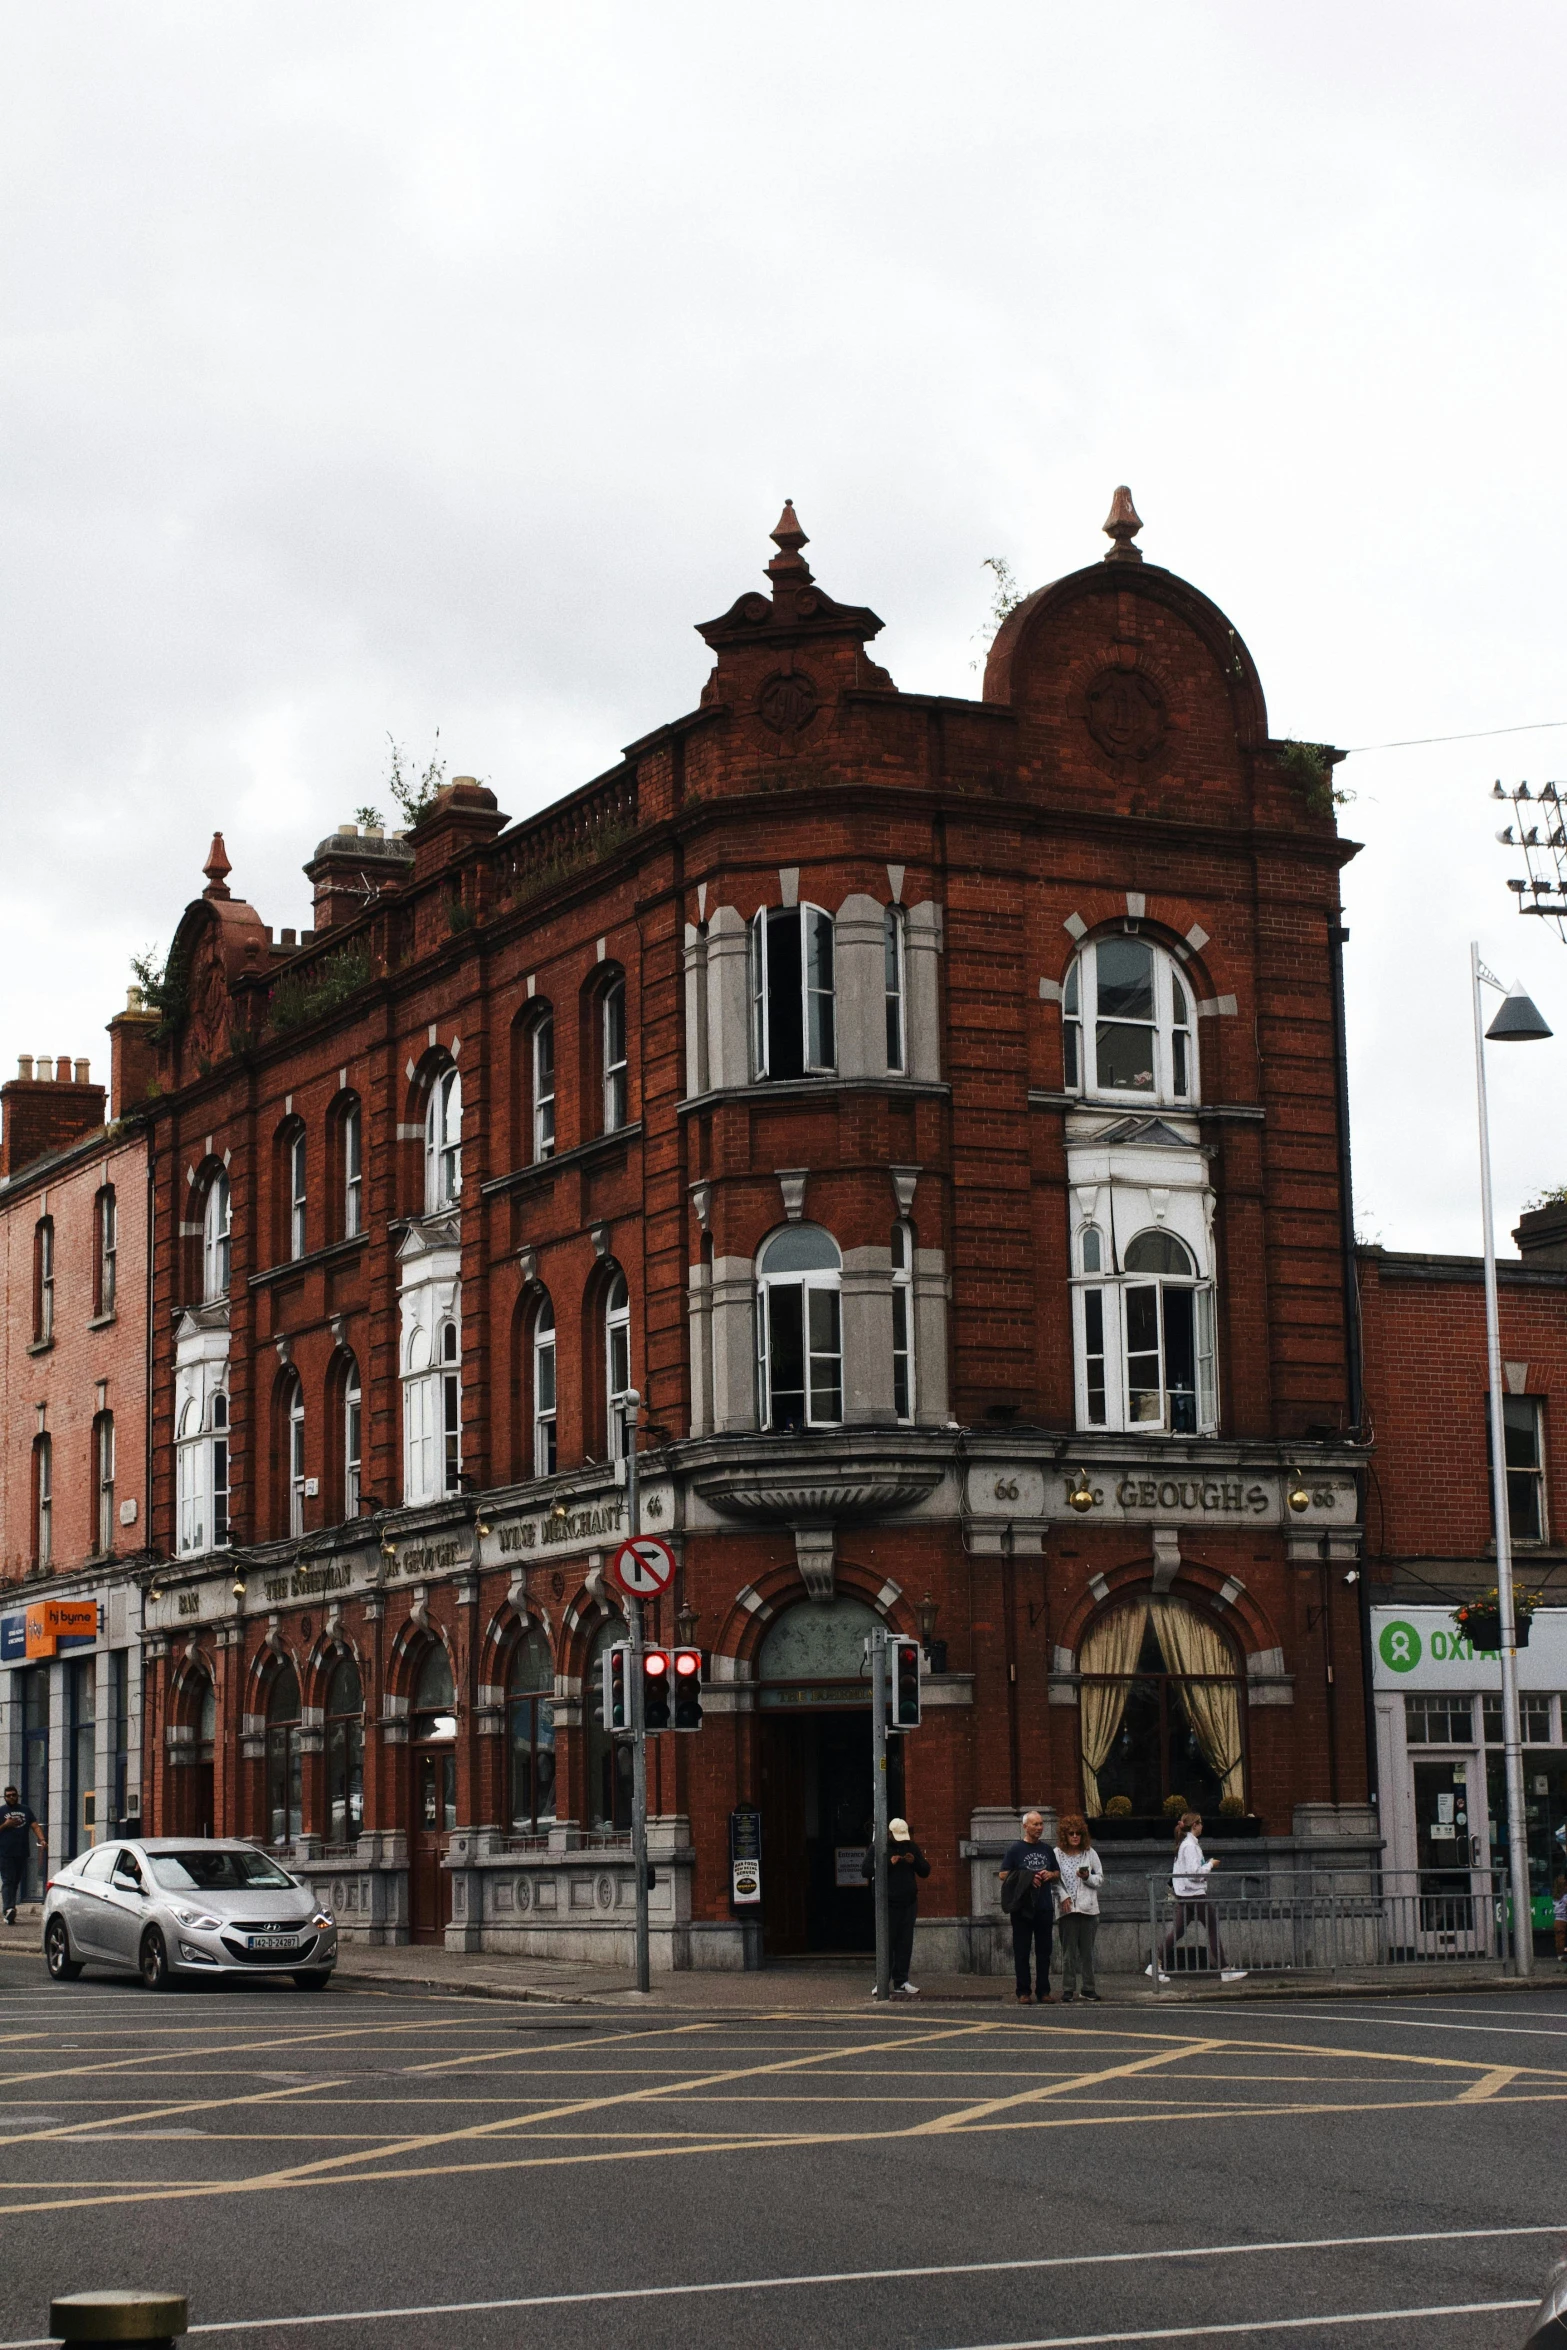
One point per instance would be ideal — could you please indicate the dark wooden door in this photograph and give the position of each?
(432, 1814)
(784, 1861)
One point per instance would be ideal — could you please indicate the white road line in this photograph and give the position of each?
(1407, 2023)
(878, 2276)
(1254, 2325)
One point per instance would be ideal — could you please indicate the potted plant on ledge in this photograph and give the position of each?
(1480, 1619)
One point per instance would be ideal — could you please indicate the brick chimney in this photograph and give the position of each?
(1541, 1237)
(351, 868)
(133, 1055)
(464, 812)
(42, 1111)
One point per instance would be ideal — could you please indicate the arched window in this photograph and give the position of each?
(285, 1818)
(435, 1698)
(293, 1411)
(43, 1502)
(103, 1483)
(530, 1734)
(612, 1048)
(106, 1231)
(1145, 1337)
(345, 1752)
(216, 1239)
(617, 1362)
(1127, 1030)
(1159, 1710)
(798, 1334)
(351, 1136)
(443, 1142)
(43, 1281)
(609, 1763)
(894, 960)
(903, 1320)
(543, 1059)
(793, 1003)
(353, 1436)
(544, 1445)
(294, 1173)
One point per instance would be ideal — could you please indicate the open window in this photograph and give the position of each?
(1144, 1335)
(793, 1000)
(443, 1141)
(799, 1330)
(216, 1238)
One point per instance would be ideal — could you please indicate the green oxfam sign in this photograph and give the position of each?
(1399, 1647)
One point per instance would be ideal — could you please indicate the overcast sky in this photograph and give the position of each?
(380, 367)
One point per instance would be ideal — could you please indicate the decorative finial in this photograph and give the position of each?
(1122, 525)
(217, 869)
(789, 538)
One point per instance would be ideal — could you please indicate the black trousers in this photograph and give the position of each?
(11, 1874)
(900, 1923)
(1032, 1935)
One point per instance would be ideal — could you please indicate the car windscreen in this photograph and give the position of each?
(197, 1871)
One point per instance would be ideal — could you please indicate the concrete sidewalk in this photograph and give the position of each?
(814, 1984)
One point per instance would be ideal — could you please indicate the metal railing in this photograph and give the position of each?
(1330, 1921)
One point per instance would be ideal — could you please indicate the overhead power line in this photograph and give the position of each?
(1417, 742)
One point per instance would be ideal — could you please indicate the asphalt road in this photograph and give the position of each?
(423, 2170)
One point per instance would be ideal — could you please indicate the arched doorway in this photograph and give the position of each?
(814, 1777)
(432, 1811)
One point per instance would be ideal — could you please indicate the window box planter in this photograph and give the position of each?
(1484, 1632)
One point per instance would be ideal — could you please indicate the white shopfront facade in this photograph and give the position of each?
(1439, 1746)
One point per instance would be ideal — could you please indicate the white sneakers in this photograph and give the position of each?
(909, 1990)
(1164, 1978)
(1233, 1974)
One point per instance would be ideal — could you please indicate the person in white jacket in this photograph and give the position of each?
(1193, 1901)
(1077, 1905)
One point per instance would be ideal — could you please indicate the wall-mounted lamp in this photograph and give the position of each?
(559, 1513)
(1353, 1575)
(1081, 1496)
(686, 1621)
(925, 1616)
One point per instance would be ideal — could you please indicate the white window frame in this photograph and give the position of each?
(1102, 1290)
(906, 1406)
(217, 1241)
(353, 1437)
(618, 1381)
(103, 1476)
(218, 1465)
(612, 1040)
(297, 1196)
(542, 1056)
(295, 1440)
(190, 1461)
(353, 1172)
(108, 1249)
(813, 1282)
(44, 1333)
(818, 1002)
(419, 1400)
(545, 1371)
(449, 1378)
(1172, 1032)
(43, 1501)
(443, 1141)
(895, 988)
(1535, 1473)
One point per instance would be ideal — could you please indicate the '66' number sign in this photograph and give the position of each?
(644, 1567)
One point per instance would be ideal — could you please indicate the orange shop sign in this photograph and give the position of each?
(53, 1624)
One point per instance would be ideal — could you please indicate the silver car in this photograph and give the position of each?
(171, 1907)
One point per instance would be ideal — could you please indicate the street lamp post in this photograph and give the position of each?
(634, 1705)
(1516, 1023)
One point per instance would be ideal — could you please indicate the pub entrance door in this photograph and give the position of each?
(817, 1801)
(432, 1814)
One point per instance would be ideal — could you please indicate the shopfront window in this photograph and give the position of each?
(285, 1817)
(530, 1734)
(345, 1753)
(1439, 1721)
(1534, 1715)
(1159, 1711)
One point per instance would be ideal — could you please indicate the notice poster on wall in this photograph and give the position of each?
(745, 1856)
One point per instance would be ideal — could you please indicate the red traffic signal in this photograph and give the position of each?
(655, 1688)
(904, 1662)
(688, 1688)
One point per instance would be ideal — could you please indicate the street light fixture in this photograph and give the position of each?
(1518, 1022)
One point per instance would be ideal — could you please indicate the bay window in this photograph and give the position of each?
(799, 1331)
(1144, 1336)
(793, 1003)
(903, 1320)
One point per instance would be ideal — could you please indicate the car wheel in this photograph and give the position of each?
(63, 1968)
(312, 1980)
(156, 1971)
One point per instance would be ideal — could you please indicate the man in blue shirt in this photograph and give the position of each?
(15, 1821)
(1028, 1878)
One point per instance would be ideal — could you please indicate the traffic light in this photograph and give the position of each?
(903, 1663)
(655, 1688)
(617, 1712)
(687, 1664)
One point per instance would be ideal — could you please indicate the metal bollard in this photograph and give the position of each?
(88, 2320)
(1548, 2329)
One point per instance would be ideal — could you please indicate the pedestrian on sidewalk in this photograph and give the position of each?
(1028, 1879)
(906, 1864)
(1077, 1913)
(15, 1823)
(1194, 1901)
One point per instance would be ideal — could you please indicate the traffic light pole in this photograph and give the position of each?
(634, 1708)
(879, 1782)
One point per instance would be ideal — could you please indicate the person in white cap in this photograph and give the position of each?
(906, 1864)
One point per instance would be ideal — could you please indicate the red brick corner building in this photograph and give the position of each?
(935, 1110)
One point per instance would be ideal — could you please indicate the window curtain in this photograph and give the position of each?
(1190, 1644)
(1111, 1646)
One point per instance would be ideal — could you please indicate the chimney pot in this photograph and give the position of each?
(24, 1067)
(62, 1070)
(45, 1069)
(84, 1072)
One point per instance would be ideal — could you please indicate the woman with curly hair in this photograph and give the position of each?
(1077, 1900)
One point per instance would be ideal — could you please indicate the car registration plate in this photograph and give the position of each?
(274, 1942)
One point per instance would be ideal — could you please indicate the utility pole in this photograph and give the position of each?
(633, 1405)
(878, 1649)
